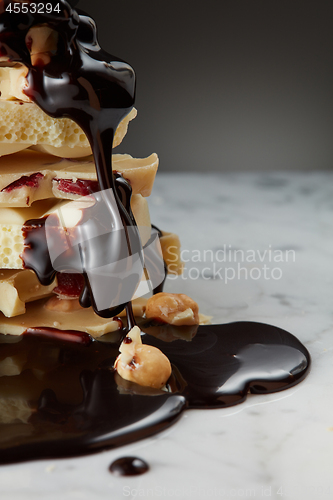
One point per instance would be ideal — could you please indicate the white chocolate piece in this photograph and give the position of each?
(38, 316)
(138, 306)
(19, 287)
(12, 365)
(12, 82)
(204, 319)
(12, 225)
(143, 364)
(11, 231)
(14, 409)
(140, 172)
(174, 308)
(25, 124)
(140, 211)
(170, 245)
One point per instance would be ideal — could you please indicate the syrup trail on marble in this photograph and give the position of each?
(67, 400)
(93, 88)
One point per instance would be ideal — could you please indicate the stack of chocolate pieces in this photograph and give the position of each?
(44, 164)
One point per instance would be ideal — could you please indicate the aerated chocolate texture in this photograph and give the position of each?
(80, 81)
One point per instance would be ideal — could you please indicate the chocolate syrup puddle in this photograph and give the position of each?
(81, 81)
(59, 395)
(68, 401)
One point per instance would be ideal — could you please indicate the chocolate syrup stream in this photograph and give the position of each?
(66, 398)
(84, 83)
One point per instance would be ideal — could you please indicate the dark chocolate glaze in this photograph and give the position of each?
(129, 466)
(93, 88)
(79, 405)
(36, 255)
(67, 400)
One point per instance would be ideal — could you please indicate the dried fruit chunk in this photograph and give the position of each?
(12, 82)
(70, 285)
(28, 176)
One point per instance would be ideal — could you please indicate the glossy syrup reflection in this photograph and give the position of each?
(77, 79)
(61, 398)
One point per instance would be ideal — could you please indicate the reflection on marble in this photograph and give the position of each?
(279, 445)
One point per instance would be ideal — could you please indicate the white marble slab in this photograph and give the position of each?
(275, 446)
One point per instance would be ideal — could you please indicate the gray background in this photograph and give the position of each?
(226, 85)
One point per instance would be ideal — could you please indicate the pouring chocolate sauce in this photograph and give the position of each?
(66, 398)
(80, 81)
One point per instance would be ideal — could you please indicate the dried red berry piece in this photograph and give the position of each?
(81, 187)
(31, 181)
(69, 285)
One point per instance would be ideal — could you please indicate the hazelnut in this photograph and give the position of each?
(140, 363)
(173, 308)
(62, 305)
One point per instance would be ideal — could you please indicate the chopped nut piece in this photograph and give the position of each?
(173, 308)
(204, 319)
(62, 305)
(140, 363)
(41, 39)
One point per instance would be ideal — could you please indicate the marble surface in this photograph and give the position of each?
(278, 445)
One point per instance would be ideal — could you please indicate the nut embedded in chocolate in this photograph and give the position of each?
(140, 363)
(173, 308)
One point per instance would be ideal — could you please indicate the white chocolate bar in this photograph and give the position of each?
(12, 82)
(12, 222)
(19, 287)
(170, 245)
(140, 172)
(24, 124)
(37, 316)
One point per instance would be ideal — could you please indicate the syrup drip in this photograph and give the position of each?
(94, 89)
(65, 398)
(129, 466)
(68, 400)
